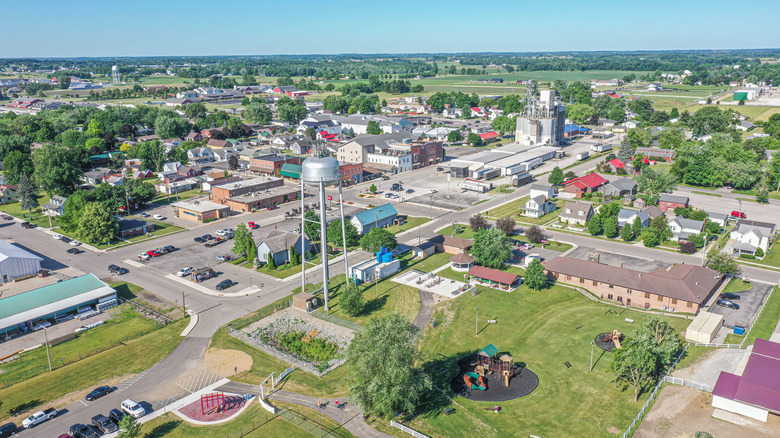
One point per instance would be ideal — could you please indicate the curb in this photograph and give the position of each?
(191, 325)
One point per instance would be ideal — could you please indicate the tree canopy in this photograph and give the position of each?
(376, 238)
(492, 248)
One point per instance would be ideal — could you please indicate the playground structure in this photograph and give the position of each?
(213, 400)
(609, 341)
(474, 381)
(486, 376)
(488, 363)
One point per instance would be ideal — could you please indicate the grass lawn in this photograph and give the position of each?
(556, 246)
(467, 232)
(772, 195)
(131, 357)
(284, 273)
(511, 208)
(410, 223)
(772, 258)
(737, 285)
(765, 324)
(15, 210)
(544, 329)
(161, 229)
(187, 194)
(125, 323)
(427, 264)
(698, 192)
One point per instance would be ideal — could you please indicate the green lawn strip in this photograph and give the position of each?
(411, 222)
(171, 426)
(313, 420)
(181, 196)
(737, 285)
(765, 323)
(577, 233)
(554, 245)
(161, 229)
(286, 271)
(131, 357)
(427, 264)
(125, 324)
(698, 192)
(772, 195)
(467, 232)
(541, 328)
(511, 208)
(771, 259)
(36, 217)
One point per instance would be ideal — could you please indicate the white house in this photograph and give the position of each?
(683, 229)
(540, 202)
(452, 113)
(200, 155)
(171, 166)
(55, 206)
(627, 217)
(752, 235)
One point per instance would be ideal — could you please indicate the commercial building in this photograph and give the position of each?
(134, 227)
(271, 164)
(15, 262)
(56, 302)
(391, 153)
(382, 216)
(682, 288)
(542, 121)
(261, 199)
(222, 193)
(351, 173)
(511, 159)
(200, 210)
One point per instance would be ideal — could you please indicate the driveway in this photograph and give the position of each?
(749, 302)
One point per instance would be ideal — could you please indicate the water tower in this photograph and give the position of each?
(115, 74)
(322, 171)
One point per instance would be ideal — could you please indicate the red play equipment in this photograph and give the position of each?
(474, 381)
(208, 401)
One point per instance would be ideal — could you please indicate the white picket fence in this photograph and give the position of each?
(650, 399)
(408, 430)
(747, 333)
(683, 382)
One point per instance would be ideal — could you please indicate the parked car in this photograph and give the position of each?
(57, 236)
(207, 237)
(729, 296)
(7, 430)
(434, 191)
(65, 435)
(144, 256)
(73, 251)
(27, 225)
(167, 249)
(114, 269)
(104, 424)
(409, 190)
(252, 225)
(728, 304)
(224, 284)
(272, 207)
(199, 239)
(154, 253)
(220, 233)
(74, 243)
(439, 169)
(79, 430)
(142, 214)
(223, 258)
(130, 407)
(159, 217)
(38, 418)
(66, 239)
(98, 392)
(6, 217)
(396, 187)
(183, 272)
(116, 415)
(738, 214)
(385, 178)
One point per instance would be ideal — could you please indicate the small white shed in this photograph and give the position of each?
(704, 327)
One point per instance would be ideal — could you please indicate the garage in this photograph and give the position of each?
(15, 262)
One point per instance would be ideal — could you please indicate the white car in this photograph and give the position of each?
(132, 408)
(223, 258)
(185, 271)
(224, 232)
(57, 236)
(74, 243)
(159, 217)
(143, 256)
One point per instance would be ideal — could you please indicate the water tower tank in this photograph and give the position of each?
(114, 68)
(320, 169)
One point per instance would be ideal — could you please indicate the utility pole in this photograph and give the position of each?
(704, 249)
(476, 322)
(183, 306)
(48, 355)
(591, 356)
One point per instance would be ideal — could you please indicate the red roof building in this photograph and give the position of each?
(488, 135)
(584, 184)
(493, 275)
(757, 391)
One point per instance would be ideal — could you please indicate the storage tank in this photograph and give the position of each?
(315, 170)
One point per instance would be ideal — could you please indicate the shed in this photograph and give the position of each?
(704, 327)
(305, 301)
(493, 276)
(292, 171)
(15, 262)
(423, 250)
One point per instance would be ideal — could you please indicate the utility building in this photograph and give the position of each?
(543, 121)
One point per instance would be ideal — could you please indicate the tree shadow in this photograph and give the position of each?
(24, 407)
(163, 429)
(442, 369)
(374, 305)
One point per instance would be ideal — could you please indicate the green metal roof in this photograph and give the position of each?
(740, 95)
(489, 351)
(290, 170)
(48, 294)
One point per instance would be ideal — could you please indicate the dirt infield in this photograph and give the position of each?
(227, 362)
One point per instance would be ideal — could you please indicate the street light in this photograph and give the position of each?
(46, 337)
(476, 322)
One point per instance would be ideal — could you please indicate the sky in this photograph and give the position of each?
(53, 28)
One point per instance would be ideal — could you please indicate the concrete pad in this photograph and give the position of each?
(430, 282)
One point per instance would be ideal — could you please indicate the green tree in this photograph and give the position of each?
(534, 275)
(168, 126)
(15, 165)
(595, 225)
(454, 137)
(71, 212)
(251, 250)
(9, 143)
(291, 111)
(376, 238)
(653, 183)
(351, 302)
(724, 263)
(97, 225)
(312, 225)
(384, 372)
(637, 226)
(129, 427)
(335, 236)
(373, 128)
(241, 239)
(372, 188)
(674, 113)
(671, 138)
(491, 247)
(626, 152)
(660, 224)
(503, 124)
(56, 170)
(611, 226)
(95, 128)
(579, 113)
(257, 112)
(626, 233)
(293, 256)
(197, 111)
(474, 139)
(708, 120)
(556, 176)
(651, 237)
(271, 262)
(28, 193)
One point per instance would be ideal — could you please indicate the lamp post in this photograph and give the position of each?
(476, 322)
(46, 337)
(591, 357)
(431, 195)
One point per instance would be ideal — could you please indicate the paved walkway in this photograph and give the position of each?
(349, 417)
(427, 304)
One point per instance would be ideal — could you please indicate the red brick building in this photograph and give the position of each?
(579, 186)
(669, 202)
(271, 164)
(351, 173)
(426, 154)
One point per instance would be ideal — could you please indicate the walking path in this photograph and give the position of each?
(427, 304)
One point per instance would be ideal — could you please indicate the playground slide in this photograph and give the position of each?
(474, 381)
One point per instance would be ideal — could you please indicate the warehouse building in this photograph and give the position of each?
(200, 210)
(61, 301)
(507, 160)
(16, 262)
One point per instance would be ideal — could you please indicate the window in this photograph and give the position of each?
(582, 280)
(628, 291)
(660, 298)
(628, 301)
(568, 277)
(647, 295)
(674, 300)
(620, 299)
(609, 296)
(689, 304)
(595, 283)
(611, 286)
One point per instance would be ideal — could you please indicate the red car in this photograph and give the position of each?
(738, 214)
(252, 225)
(272, 207)
(154, 253)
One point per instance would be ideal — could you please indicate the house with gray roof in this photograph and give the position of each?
(627, 217)
(721, 219)
(653, 211)
(619, 188)
(683, 229)
(277, 245)
(751, 236)
(55, 206)
(576, 212)
(540, 202)
(200, 155)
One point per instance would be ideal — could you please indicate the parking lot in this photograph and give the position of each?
(749, 302)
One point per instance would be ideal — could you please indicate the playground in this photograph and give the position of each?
(215, 407)
(609, 341)
(489, 376)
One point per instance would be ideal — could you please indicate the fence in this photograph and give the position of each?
(147, 312)
(683, 382)
(12, 376)
(408, 430)
(650, 399)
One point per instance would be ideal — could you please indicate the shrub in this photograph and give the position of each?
(747, 256)
(687, 247)
(759, 252)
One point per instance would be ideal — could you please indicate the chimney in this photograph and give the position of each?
(640, 275)
(621, 264)
(697, 283)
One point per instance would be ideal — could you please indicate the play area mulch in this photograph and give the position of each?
(604, 341)
(233, 404)
(522, 383)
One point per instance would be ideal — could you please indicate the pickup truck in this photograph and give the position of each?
(38, 418)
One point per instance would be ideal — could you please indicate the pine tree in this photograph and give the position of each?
(626, 234)
(251, 250)
(271, 263)
(28, 195)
